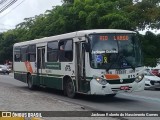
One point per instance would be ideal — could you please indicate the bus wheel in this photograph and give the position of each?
(30, 82)
(70, 90)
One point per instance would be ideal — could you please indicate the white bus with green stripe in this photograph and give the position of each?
(92, 62)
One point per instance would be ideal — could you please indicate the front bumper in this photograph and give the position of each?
(98, 89)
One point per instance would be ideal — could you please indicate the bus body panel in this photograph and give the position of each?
(53, 73)
(98, 89)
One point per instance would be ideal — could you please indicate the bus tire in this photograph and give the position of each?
(30, 82)
(70, 90)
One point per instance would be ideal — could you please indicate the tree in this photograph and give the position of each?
(150, 45)
(6, 45)
(74, 15)
(68, 1)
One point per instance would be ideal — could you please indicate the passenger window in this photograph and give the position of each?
(32, 53)
(17, 54)
(65, 50)
(52, 51)
(24, 53)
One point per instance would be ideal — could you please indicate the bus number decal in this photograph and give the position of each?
(68, 68)
(131, 76)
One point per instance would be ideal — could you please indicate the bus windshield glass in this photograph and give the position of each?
(115, 51)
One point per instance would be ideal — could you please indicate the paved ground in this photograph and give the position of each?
(15, 96)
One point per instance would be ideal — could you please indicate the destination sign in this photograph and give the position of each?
(117, 37)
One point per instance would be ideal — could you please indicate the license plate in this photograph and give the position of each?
(124, 87)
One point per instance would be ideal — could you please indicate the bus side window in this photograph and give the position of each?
(32, 53)
(65, 50)
(17, 57)
(24, 53)
(17, 54)
(52, 51)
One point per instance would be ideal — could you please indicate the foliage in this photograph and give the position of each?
(150, 46)
(75, 15)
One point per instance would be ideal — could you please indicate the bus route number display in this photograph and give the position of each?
(121, 37)
(118, 37)
(103, 37)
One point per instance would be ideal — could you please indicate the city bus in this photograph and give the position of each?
(91, 62)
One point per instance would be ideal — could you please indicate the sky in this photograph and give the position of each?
(155, 31)
(24, 9)
(29, 8)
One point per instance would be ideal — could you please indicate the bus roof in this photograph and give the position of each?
(72, 35)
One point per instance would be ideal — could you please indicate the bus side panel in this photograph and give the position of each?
(20, 71)
(53, 82)
(20, 76)
(35, 80)
(48, 81)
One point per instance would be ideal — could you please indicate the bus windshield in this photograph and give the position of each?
(115, 51)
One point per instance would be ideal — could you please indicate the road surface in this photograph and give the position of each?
(15, 95)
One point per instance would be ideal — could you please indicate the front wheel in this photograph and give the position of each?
(70, 89)
(31, 86)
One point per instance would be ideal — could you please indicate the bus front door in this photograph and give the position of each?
(40, 64)
(80, 67)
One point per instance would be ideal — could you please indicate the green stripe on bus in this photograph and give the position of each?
(51, 82)
(41, 74)
(20, 77)
(44, 80)
(53, 65)
(54, 75)
(19, 72)
(118, 81)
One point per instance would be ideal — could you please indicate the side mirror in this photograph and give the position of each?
(87, 47)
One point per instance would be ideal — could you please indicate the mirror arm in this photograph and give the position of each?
(87, 45)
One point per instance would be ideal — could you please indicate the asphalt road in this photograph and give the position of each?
(147, 100)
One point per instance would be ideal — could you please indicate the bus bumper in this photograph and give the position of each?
(98, 89)
(138, 86)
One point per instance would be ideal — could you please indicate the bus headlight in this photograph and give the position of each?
(139, 78)
(100, 80)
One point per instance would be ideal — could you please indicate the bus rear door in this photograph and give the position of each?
(40, 64)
